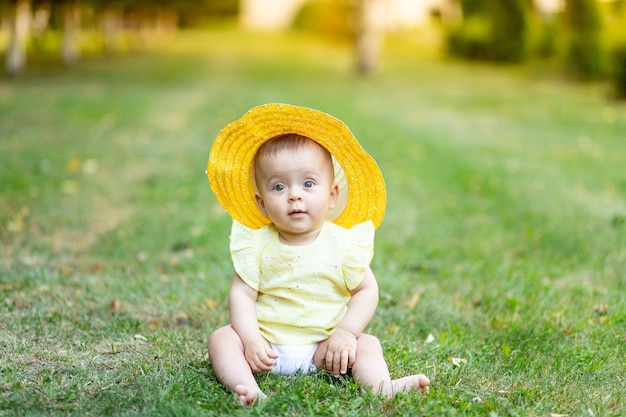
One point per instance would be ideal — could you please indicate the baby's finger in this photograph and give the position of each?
(270, 352)
(264, 364)
(344, 362)
(330, 360)
(266, 360)
(337, 360)
(351, 357)
(254, 366)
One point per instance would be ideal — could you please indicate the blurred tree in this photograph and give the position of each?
(199, 13)
(149, 19)
(508, 30)
(491, 30)
(110, 21)
(618, 71)
(367, 35)
(615, 35)
(358, 21)
(70, 49)
(19, 18)
(584, 57)
(330, 18)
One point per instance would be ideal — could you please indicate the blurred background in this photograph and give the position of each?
(577, 39)
(501, 259)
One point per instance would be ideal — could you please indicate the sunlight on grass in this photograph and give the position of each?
(501, 261)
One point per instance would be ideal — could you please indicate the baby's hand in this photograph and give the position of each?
(341, 351)
(259, 355)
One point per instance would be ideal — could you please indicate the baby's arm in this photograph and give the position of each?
(341, 350)
(243, 318)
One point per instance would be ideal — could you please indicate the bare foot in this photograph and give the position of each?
(249, 395)
(411, 382)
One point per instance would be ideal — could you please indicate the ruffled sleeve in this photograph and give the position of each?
(244, 251)
(358, 251)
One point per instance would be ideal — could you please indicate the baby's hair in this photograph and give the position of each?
(290, 142)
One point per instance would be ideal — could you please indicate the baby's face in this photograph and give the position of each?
(296, 190)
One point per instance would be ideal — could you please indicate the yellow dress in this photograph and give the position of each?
(303, 291)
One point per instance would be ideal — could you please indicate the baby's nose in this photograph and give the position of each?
(294, 194)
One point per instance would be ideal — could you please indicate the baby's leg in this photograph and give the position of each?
(370, 369)
(230, 365)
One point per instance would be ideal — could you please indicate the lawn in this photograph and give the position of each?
(501, 261)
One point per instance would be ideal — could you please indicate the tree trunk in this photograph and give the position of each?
(111, 27)
(19, 19)
(368, 37)
(70, 51)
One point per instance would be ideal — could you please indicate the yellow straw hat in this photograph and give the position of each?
(230, 170)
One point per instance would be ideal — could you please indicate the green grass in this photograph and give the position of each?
(504, 240)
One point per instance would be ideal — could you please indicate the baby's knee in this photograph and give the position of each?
(368, 344)
(220, 336)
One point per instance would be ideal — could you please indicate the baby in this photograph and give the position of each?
(305, 200)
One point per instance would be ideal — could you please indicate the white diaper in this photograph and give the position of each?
(294, 358)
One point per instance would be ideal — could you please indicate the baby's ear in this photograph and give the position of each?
(334, 195)
(260, 204)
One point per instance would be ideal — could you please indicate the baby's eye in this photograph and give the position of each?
(278, 187)
(308, 184)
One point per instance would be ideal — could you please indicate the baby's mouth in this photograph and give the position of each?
(296, 213)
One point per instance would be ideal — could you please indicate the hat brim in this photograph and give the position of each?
(230, 167)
